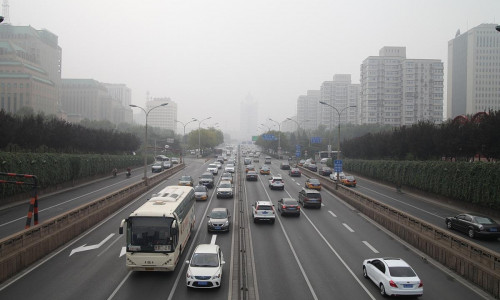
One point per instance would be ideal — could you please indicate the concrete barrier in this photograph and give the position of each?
(477, 264)
(24, 248)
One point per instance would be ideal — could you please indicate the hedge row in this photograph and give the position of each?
(52, 169)
(472, 182)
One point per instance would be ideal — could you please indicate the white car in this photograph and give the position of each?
(205, 267)
(225, 190)
(263, 211)
(276, 182)
(213, 169)
(393, 276)
(218, 163)
(229, 168)
(333, 176)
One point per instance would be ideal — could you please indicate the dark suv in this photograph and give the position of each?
(285, 166)
(308, 197)
(207, 179)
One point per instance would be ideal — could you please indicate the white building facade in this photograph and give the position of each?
(398, 91)
(343, 96)
(162, 117)
(307, 110)
(473, 82)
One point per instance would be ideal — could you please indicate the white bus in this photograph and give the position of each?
(158, 231)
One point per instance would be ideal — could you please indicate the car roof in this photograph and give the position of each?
(310, 190)
(225, 181)
(264, 203)
(219, 209)
(394, 262)
(206, 248)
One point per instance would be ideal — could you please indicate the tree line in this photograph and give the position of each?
(40, 133)
(460, 139)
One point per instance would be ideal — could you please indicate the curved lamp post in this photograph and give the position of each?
(184, 135)
(279, 137)
(338, 140)
(146, 138)
(199, 136)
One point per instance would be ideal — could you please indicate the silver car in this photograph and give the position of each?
(219, 219)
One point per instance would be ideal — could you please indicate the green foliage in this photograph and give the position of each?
(54, 169)
(476, 183)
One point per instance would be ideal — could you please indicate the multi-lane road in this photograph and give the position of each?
(315, 256)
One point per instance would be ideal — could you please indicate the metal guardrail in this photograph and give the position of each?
(20, 250)
(474, 262)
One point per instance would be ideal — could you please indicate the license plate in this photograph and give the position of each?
(217, 227)
(407, 286)
(264, 212)
(493, 229)
(202, 283)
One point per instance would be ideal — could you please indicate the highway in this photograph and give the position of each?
(315, 256)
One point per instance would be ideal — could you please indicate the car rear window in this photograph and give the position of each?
(314, 195)
(264, 207)
(401, 272)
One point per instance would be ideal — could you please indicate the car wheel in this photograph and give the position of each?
(471, 233)
(254, 220)
(382, 290)
(448, 224)
(365, 275)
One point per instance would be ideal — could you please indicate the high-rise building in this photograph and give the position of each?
(162, 117)
(89, 99)
(399, 91)
(248, 118)
(307, 110)
(30, 69)
(473, 71)
(122, 94)
(339, 93)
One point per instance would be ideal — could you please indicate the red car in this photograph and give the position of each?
(294, 172)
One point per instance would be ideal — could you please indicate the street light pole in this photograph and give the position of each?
(199, 135)
(338, 140)
(184, 135)
(279, 137)
(146, 138)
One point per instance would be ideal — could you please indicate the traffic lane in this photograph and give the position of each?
(429, 211)
(356, 238)
(276, 268)
(52, 205)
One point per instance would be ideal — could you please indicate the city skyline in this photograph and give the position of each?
(206, 56)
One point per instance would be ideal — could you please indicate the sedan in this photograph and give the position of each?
(205, 267)
(312, 167)
(186, 180)
(218, 219)
(265, 170)
(313, 183)
(252, 175)
(349, 181)
(289, 206)
(294, 172)
(157, 167)
(393, 276)
(201, 192)
(474, 225)
(325, 171)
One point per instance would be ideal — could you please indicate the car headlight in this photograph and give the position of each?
(216, 276)
(209, 222)
(481, 227)
(226, 223)
(188, 275)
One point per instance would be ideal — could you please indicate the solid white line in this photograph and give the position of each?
(370, 246)
(214, 238)
(331, 212)
(340, 258)
(348, 228)
(119, 285)
(112, 243)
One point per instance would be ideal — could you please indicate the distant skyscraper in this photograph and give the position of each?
(307, 110)
(340, 93)
(248, 118)
(30, 69)
(162, 117)
(399, 91)
(474, 71)
(122, 94)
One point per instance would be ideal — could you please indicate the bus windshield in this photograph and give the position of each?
(150, 234)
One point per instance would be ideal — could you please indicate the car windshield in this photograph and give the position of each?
(350, 178)
(200, 188)
(290, 201)
(206, 176)
(484, 220)
(225, 185)
(230, 166)
(277, 180)
(315, 181)
(186, 178)
(401, 272)
(218, 214)
(314, 195)
(212, 166)
(204, 260)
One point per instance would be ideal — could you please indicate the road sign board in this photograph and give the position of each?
(315, 140)
(337, 165)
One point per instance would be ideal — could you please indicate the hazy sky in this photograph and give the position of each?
(208, 55)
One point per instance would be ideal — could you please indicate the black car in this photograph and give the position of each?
(207, 179)
(289, 206)
(312, 167)
(474, 225)
(325, 171)
(285, 166)
(252, 175)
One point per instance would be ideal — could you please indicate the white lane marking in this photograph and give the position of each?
(124, 250)
(402, 202)
(331, 213)
(120, 285)
(214, 238)
(370, 246)
(298, 183)
(348, 228)
(112, 243)
(84, 247)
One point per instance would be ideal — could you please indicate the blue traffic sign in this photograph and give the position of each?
(337, 165)
(315, 140)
